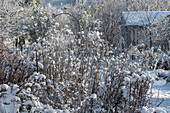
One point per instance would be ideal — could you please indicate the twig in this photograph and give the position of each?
(160, 102)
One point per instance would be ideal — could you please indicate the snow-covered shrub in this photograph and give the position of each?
(14, 68)
(23, 101)
(155, 57)
(81, 75)
(84, 75)
(63, 69)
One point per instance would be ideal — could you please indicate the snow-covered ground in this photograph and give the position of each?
(161, 90)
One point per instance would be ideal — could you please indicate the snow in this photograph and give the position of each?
(161, 90)
(99, 110)
(143, 18)
(144, 110)
(35, 74)
(127, 79)
(68, 31)
(127, 72)
(40, 65)
(94, 96)
(73, 73)
(4, 87)
(24, 27)
(2, 108)
(15, 89)
(93, 36)
(57, 24)
(8, 103)
(28, 84)
(151, 110)
(135, 75)
(28, 89)
(109, 79)
(41, 77)
(43, 83)
(66, 111)
(11, 103)
(28, 102)
(97, 34)
(160, 82)
(160, 110)
(50, 111)
(163, 72)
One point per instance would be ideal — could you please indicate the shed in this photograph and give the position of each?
(134, 25)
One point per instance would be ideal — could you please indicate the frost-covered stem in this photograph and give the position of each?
(140, 94)
(130, 98)
(36, 59)
(134, 97)
(138, 98)
(68, 65)
(150, 38)
(151, 93)
(160, 103)
(43, 60)
(93, 86)
(117, 93)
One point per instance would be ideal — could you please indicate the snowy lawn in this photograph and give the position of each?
(161, 90)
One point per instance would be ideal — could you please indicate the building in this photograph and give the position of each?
(138, 27)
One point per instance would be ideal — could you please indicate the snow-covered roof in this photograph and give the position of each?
(59, 2)
(143, 18)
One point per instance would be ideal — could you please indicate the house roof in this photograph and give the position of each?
(144, 17)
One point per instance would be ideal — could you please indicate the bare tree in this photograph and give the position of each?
(148, 7)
